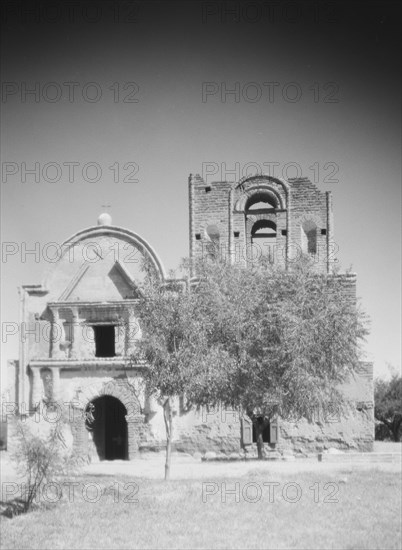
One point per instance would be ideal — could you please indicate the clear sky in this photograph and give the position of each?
(137, 71)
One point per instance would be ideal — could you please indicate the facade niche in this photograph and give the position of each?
(47, 381)
(212, 247)
(309, 237)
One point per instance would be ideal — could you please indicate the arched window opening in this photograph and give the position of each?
(263, 235)
(309, 237)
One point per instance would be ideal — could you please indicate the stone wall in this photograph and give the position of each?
(208, 430)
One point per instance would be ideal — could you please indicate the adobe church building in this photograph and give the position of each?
(80, 326)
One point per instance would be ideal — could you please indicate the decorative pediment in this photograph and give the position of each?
(101, 264)
(101, 281)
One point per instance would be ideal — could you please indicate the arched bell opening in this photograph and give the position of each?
(263, 235)
(262, 202)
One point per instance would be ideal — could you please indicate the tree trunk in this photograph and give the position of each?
(168, 418)
(259, 428)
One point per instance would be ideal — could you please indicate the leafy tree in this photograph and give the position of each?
(261, 340)
(388, 404)
(282, 342)
(169, 339)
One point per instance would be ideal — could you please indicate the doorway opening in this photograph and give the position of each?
(108, 425)
(266, 434)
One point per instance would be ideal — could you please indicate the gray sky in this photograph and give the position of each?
(317, 89)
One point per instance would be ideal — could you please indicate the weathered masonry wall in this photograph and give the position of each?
(221, 430)
(217, 430)
(352, 432)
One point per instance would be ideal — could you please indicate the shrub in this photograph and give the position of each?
(42, 455)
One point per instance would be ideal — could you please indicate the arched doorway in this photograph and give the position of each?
(106, 419)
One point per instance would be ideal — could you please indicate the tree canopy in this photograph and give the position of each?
(283, 341)
(261, 340)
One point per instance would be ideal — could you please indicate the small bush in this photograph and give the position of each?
(42, 455)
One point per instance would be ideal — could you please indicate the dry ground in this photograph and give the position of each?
(302, 504)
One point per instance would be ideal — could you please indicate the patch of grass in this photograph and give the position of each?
(359, 510)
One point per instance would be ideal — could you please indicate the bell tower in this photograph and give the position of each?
(261, 216)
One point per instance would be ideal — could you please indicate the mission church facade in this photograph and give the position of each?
(81, 327)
